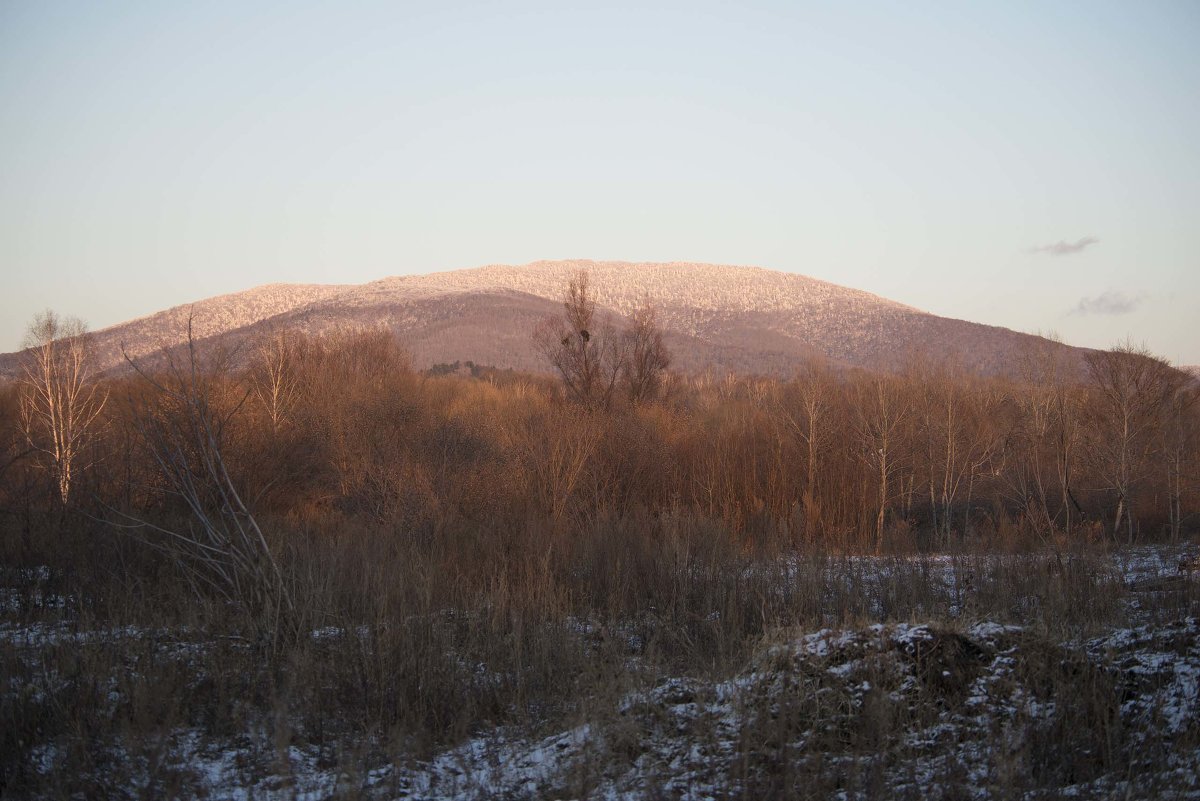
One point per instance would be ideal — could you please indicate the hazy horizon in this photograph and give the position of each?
(1027, 166)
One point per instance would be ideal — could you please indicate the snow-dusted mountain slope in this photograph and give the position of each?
(744, 319)
(209, 318)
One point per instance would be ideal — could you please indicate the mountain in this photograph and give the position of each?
(724, 318)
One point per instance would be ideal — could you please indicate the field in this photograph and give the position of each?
(971, 675)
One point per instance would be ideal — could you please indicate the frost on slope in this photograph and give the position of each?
(724, 317)
(622, 286)
(696, 300)
(744, 319)
(207, 317)
(147, 335)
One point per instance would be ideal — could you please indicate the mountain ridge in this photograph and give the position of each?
(727, 317)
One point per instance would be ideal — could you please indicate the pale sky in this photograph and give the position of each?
(1026, 164)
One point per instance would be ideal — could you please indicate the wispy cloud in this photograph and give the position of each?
(1066, 248)
(1114, 301)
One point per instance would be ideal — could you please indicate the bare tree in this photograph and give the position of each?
(60, 399)
(806, 409)
(586, 356)
(1043, 440)
(1130, 392)
(273, 375)
(882, 411)
(1181, 441)
(960, 440)
(224, 553)
(645, 357)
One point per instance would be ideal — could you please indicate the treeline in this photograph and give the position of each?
(339, 433)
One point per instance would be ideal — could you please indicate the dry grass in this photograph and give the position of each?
(418, 645)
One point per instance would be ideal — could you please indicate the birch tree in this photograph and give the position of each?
(1181, 441)
(1130, 392)
(806, 410)
(882, 410)
(273, 375)
(60, 400)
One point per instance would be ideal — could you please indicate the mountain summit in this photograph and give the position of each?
(725, 318)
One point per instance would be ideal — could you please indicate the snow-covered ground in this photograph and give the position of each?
(960, 708)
